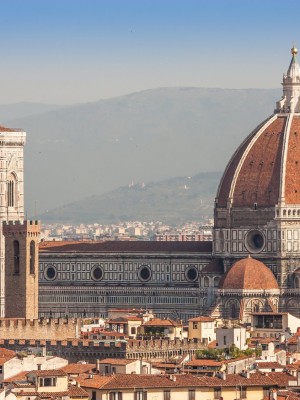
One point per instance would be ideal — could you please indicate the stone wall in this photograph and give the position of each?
(92, 350)
(52, 329)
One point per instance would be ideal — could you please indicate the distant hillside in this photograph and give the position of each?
(90, 149)
(171, 201)
(24, 109)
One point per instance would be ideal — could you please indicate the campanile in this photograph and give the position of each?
(11, 190)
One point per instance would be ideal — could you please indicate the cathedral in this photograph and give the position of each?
(252, 264)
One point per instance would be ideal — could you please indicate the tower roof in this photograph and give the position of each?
(249, 274)
(294, 69)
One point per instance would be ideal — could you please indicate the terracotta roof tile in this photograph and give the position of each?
(250, 274)
(123, 247)
(227, 179)
(49, 372)
(255, 379)
(21, 376)
(78, 368)
(117, 361)
(271, 365)
(160, 322)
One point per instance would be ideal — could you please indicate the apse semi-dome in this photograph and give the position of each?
(249, 274)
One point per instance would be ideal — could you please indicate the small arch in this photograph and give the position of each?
(206, 281)
(298, 212)
(32, 257)
(133, 330)
(289, 213)
(11, 190)
(297, 282)
(294, 212)
(284, 213)
(216, 281)
(16, 246)
(233, 310)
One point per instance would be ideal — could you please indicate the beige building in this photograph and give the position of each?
(11, 365)
(233, 336)
(45, 384)
(129, 326)
(110, 366)
(202, 328)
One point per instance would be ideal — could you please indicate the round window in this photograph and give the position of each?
(255, 241)
(191, 273)
(144, 273)
(97, 273)
(50, 273)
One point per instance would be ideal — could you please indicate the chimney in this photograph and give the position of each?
(98, 365)
(273, 394)
(298, 378)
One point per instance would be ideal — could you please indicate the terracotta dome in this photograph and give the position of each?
(265, 169)
(249, 274)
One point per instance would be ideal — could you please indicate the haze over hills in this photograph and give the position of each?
(90, 149)
(173, 201)
(24, 109)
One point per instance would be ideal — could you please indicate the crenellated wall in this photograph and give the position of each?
(52, 329)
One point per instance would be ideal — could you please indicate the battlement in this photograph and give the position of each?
(21, 226)
(52, 329)
(91, 350)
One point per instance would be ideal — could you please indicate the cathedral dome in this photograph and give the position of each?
(265, 169)
(249, 274)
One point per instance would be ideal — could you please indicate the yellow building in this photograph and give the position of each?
(45, 384)
(255, 386)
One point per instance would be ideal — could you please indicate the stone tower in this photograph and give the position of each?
(11, 189)
(21, 269)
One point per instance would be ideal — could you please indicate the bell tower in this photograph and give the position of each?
(21, 269)
(12, 143)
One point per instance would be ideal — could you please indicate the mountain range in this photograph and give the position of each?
(84, 151)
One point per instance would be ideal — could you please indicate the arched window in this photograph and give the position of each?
(11, 191)
(32, 257)
(233, 310)
(16, 257)
(256, 307)
(206, 281)
(216, 281)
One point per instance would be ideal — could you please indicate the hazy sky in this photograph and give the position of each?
(72, 51)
